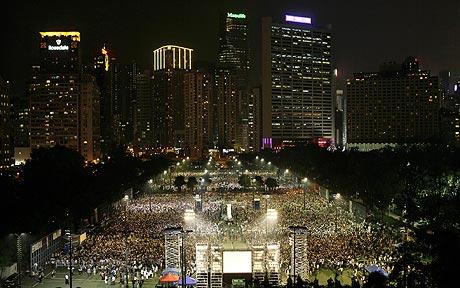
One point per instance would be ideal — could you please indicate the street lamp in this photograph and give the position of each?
(336, 197)
(305, 182)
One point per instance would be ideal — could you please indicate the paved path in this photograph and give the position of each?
(81, 281)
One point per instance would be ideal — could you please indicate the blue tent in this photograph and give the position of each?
(189, 281)
(174, 271)
(374, 268)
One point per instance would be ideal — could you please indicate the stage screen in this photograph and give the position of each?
(237, 262)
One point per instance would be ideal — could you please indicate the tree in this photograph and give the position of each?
(259, 181)
(179, 181)
(191, 183)
(271, 183)
(244, 181)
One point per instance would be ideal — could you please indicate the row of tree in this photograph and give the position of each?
(421, 182)
(56, 186)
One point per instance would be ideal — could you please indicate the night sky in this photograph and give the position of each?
(365, 32)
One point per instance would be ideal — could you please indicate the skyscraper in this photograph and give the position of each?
(296, 81)
(232, 78)
(89, 118)
(54, 91)
(198, 91)
(144, 114)
(56, 95)
(107, 73)
(254, 120)
(399, 104)
(233, 54)
(170, 62)
(227, 110)
(6, 148)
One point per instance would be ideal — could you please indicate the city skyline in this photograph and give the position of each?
(415, 26)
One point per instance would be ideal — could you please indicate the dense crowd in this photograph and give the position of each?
(131, 242)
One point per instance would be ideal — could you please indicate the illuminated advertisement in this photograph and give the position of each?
(298, 19)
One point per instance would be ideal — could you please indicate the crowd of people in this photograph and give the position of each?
(129, 246)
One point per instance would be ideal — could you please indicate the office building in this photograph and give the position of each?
(90, 133)
(144, 113)
(397, 105)
(233, 54)
(54, 91)
(198, 92)
(340, 124)
(232, 78)
(227, 110)
(6, 141)
(296, 81)
(57, 92)
(170, 62)
(254, 120)
(107, 73)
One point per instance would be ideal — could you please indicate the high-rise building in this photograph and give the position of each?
(339, 117)
(254, 120)
(198, 92)
(54, 91)
(227, 110)
(56, 95)
(89, 118)
(21, 122)
(232, 78)
(392, 106)
(128, 101)
(144, 114)
(107, 73)
(170, 62)
(6, 141)
(233, 54)
(296, 81)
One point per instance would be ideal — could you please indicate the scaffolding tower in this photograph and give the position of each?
(258, 263)
(173, 244)
(273, 264)
(299, 260)
(216, 267)
(202, 265)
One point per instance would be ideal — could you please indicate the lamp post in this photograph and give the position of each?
(305, 183)
(337, 197)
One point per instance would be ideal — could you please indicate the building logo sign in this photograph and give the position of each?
(298, 19)
(58, 46)
(234, 15)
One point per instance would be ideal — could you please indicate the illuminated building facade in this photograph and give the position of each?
(296, 81)
(399, 104)
(107, 73)
(54, 91)
(254, 107)
(64, 103)
(6, 142)
(89, 118)
(227, 110)
(232, 82)
(170, 63)
(144, 114)
(198, 92)
(172, 57)
(233, 54)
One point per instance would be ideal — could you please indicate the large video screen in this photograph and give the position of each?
(237, 262)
